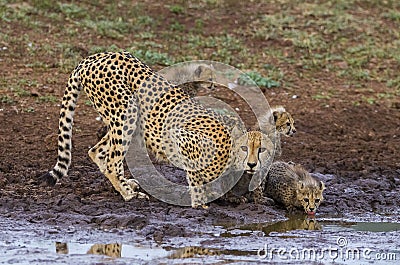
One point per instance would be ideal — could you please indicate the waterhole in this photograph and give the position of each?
(298, 239)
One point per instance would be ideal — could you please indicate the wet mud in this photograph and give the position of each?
(356, 159)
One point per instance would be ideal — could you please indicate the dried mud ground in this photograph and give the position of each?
(348, 142)
(353, 149)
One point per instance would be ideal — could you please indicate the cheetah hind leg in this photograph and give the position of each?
(109, 158)
(115, 171)
(99, 153)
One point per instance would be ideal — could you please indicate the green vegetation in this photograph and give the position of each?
(48, 98)
(322, 95)
(354, 42)
(151, 57)
(253, 77)
(177, 9)
(6, 99)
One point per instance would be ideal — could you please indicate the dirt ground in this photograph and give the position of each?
(354, 148)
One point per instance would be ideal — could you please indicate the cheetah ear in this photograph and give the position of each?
(277, 111)
(198, 70)
(276, 115)
(321, 186)
(208, 69)
(300, 185)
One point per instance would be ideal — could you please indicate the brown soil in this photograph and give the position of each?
(353, 148)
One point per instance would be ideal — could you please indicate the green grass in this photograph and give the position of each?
(322, 96)
(254, 77)
(176, 9)
(153, 58)
(354, 42)
(176, 26)
(6, 99)
(73, 11)
(114, 29)
(48, 98)
(392, 15)
(394, 83)
(29, 109)
(21, 87)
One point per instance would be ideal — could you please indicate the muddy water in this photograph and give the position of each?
(295, 240)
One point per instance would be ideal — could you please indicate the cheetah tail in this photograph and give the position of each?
(67, 111)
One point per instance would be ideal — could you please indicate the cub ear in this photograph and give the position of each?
(208, 70)
(276, 115)
(199, 70)
(277, 112)
(321, 186)
(300, 185)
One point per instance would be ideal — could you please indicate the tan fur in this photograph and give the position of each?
(190, 252)
(130, 97)
(112, 250)
(259, 149)
(252, 150)
(284, 125)
(294, 187)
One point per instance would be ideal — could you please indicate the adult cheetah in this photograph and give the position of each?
(131, 98)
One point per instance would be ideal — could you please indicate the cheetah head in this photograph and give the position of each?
(309, 194)
(252, 150)
(283, 121)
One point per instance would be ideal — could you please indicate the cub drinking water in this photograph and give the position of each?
(291, 185)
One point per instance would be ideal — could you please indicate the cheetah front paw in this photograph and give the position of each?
(236, 199)
(264, 201)
(133, 184)
(197, 206)
(133, 192)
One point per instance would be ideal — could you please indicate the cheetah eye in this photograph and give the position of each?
(244, 148)
(317, 200)
(288, 123)
(306, 199)
(262, 149)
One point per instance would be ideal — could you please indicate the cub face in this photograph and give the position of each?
(284, 122)
(310, 196)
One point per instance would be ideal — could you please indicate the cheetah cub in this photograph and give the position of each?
(193, 77)
(291, 185)
(284, 125)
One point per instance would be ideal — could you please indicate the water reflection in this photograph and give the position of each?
(61, 248)
(112, 250)
(294, 223)
(304, 223)
(360, 226)
(152, 252)
(190, 252)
